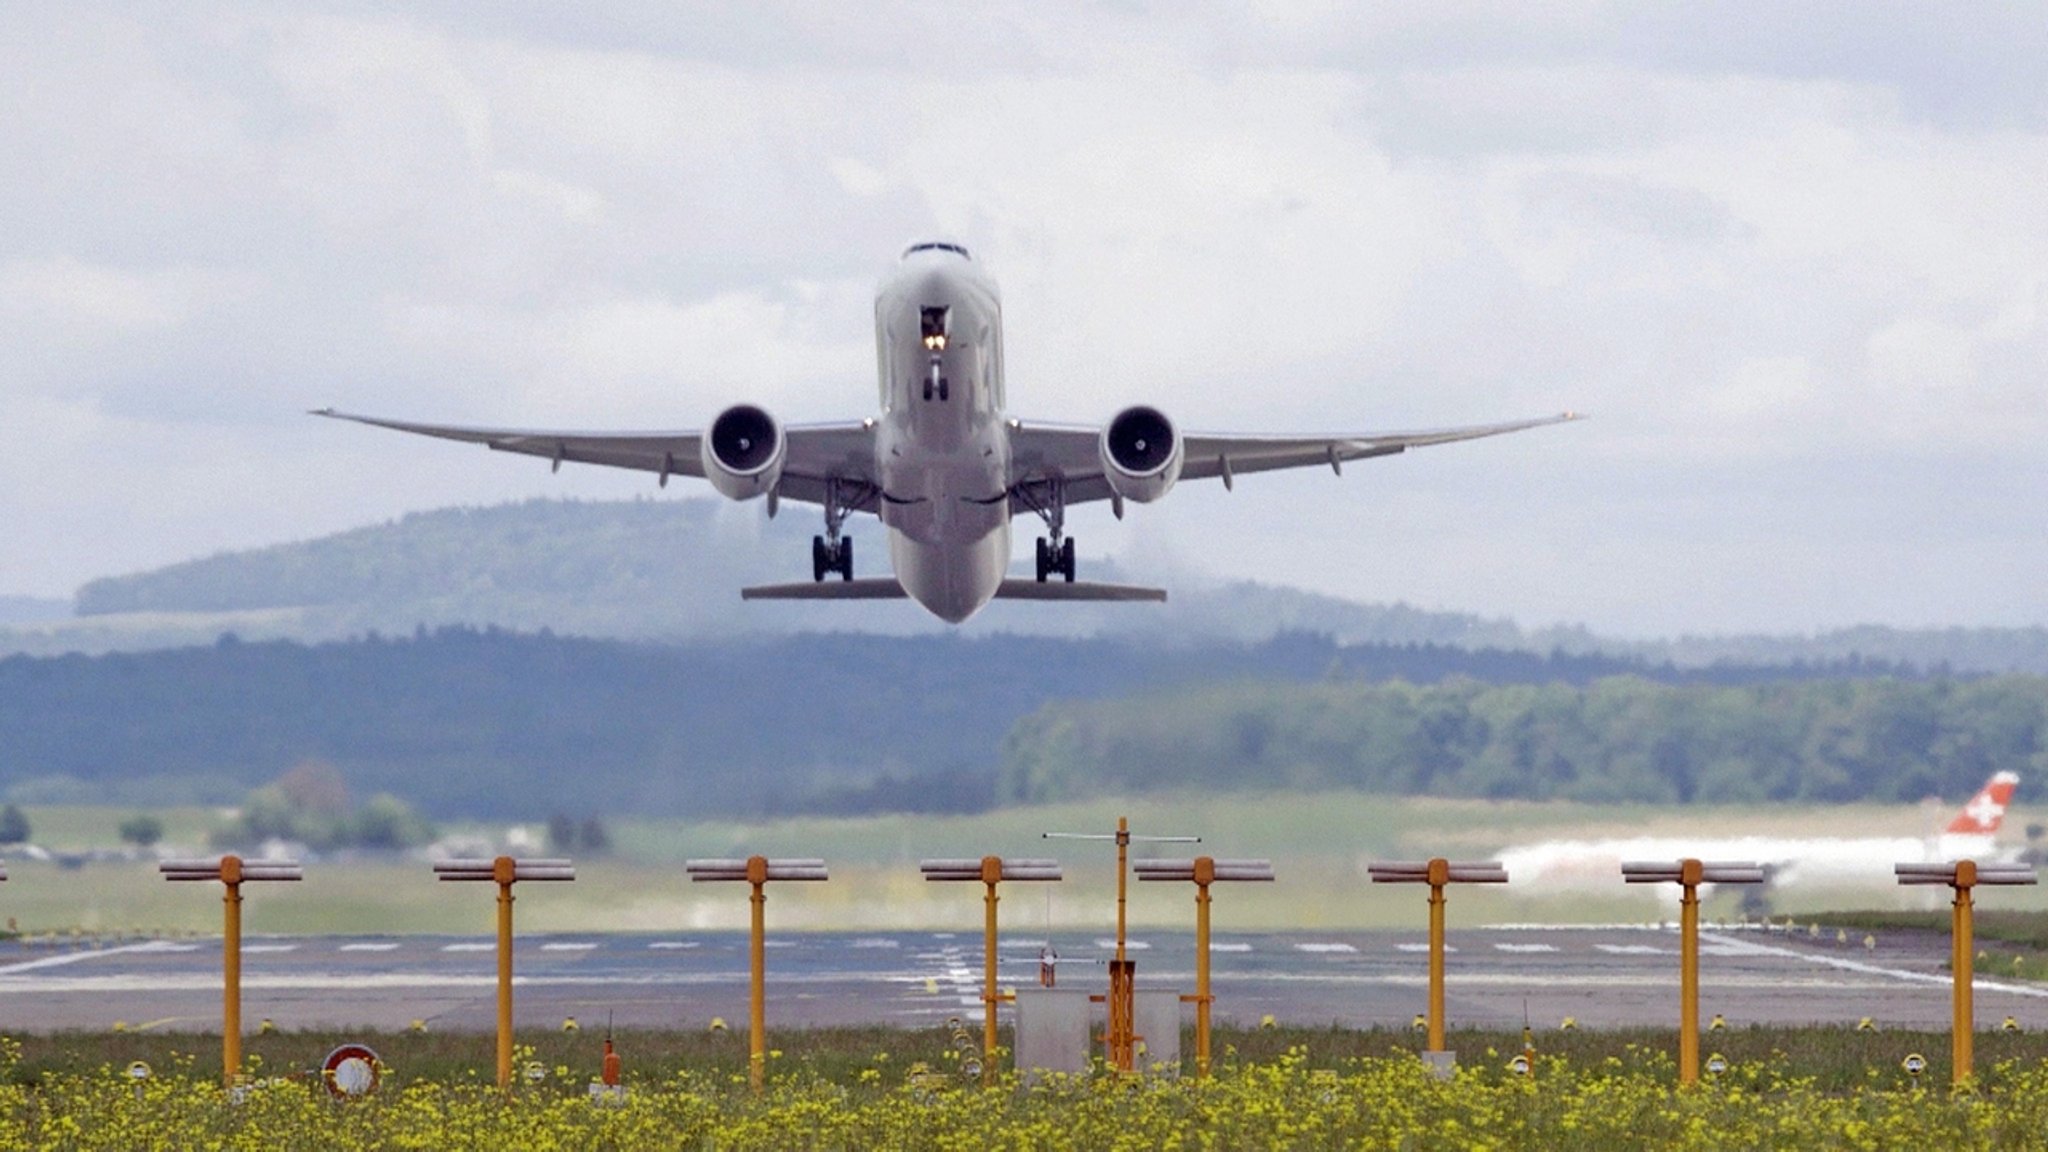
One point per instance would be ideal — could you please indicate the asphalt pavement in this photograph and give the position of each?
(1603, 976)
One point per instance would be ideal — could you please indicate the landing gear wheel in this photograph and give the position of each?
(1067, 559)
(1044, 559)
(826, 558)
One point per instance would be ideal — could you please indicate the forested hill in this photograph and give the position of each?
(501, 724)
(670, 569)
(1617, 739)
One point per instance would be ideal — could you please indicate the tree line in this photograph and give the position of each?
(1622, 738)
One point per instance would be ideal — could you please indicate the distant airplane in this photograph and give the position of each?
(943, 465)
(1816, 861)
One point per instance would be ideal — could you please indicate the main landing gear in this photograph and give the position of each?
(832, 552)
(1056, 548)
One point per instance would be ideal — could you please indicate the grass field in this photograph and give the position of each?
(876, 1088)
(1836, 1059)
(1320, 845)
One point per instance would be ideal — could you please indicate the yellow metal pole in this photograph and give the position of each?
(1439, 875)
(1689, 972)
(1205, 874)
(503, 871)
(991, 875)
(757, 1015)
(1963, 932)
(231, 968)
(1121, 1024)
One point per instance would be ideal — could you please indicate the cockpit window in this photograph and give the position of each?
(937, 246)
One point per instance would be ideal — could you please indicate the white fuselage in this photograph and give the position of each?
(944, 451)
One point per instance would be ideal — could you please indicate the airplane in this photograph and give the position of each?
(943, 465)
(1814, 861)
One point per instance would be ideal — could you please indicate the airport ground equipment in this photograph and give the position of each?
(1203, 871)
(1689, 874)
(757, 871)
(1437, 873)
(1963, 876)
(1121, 1035)
(991, 871)
(505, 871)
(231, 871)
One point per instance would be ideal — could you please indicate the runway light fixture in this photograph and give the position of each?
(990, 871)
(1689, 874)
(1203, 871)
(1963, 876)
(757, 871)
(1121, 1035)
(231, 871)
(505, 871)
(1437, 873)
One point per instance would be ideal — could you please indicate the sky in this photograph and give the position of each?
(1793, 257)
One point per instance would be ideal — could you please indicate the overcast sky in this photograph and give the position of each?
(1793, 257)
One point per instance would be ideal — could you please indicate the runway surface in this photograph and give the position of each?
(1604, 976)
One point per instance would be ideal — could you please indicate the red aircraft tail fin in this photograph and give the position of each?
(1981, 816)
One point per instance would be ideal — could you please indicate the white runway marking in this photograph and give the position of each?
(469, 947)
(1635, 950)
(568, 946)
(875, 942)
(1751, 948)
(246, 948)
(75, 957)
(1423, 947)
(1230, 947)
(1312, 946)
(370, 946)
(1109, 942)
(1525, 947)
(666, 945)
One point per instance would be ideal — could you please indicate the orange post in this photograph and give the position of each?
(757, 1011)
(1205, 875)
(991, 875)
(1439, 875)
(1689, 874)
(1963, 933)
(1437, 872)
(504, 872)
(232, 871)
(231, 971)
(1689, 871)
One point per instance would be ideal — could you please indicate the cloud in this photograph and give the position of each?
(1781, 242)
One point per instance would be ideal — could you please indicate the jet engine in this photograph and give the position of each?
(743, 452)
(1141, 454)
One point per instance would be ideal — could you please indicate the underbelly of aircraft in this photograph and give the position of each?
(952, 578)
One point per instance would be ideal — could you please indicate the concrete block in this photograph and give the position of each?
(1052, 1030)
(1156, 1019)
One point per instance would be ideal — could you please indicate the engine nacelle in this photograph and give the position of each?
(743, 452)
(1141, 454)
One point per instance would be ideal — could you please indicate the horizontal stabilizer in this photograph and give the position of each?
(1059, 590)
(884, 589)
(887, 589)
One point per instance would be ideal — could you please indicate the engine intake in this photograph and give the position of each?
(743, 452)
(1141, 454)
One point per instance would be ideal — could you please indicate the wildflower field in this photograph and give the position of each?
(884, 1088)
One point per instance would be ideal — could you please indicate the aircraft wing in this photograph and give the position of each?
(816, 452)
(1071, 453)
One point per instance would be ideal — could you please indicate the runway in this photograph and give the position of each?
(1603, 976)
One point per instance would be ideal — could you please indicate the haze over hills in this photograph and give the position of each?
(671, 569)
